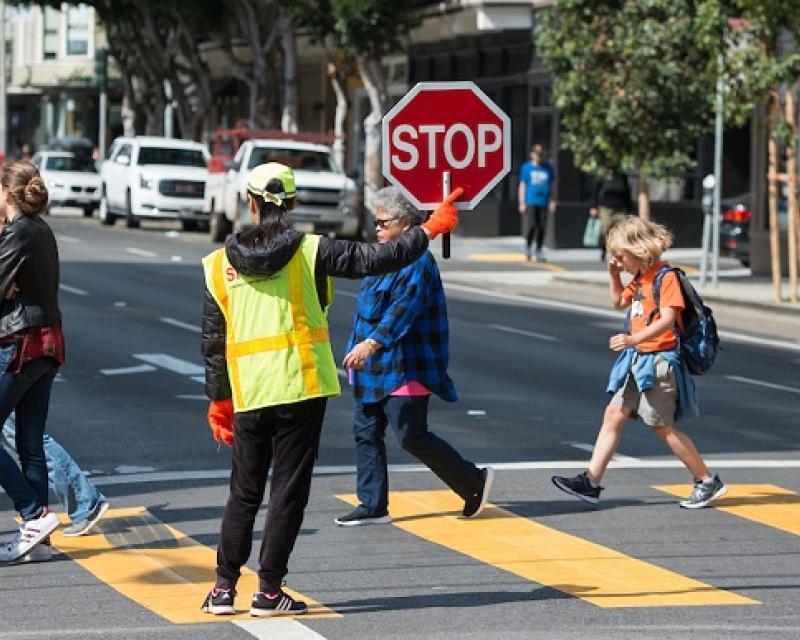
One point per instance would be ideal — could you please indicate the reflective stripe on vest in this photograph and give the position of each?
(277, 351)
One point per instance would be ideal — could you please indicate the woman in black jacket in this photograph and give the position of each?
(31, 347)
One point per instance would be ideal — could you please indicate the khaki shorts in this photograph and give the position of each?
(656, 407)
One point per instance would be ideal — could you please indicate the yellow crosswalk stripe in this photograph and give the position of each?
(763, 503)
(160, 568)
(513, 257)
(596, 574)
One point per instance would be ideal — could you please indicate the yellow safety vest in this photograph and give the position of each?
(276, 332)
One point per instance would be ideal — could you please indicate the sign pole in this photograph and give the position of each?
(445, 193)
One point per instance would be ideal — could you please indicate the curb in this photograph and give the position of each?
(786, 308)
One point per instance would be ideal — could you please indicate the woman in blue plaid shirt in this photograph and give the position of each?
(397, 357)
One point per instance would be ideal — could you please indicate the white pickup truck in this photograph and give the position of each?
(327, 199)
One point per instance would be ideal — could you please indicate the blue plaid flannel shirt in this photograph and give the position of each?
(406, 313)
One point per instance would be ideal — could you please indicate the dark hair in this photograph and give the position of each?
(272, 218)
(21, 180)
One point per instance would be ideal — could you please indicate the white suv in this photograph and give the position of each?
(154, 178)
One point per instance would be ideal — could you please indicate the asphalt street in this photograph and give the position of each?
(530, 372)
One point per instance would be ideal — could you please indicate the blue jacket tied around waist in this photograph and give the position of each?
(644, 374)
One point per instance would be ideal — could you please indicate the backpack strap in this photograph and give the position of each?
(657, 290)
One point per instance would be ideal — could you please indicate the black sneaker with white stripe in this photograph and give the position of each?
(579, 486)
(220, 602)
(279, 604)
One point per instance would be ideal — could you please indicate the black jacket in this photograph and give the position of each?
(614, 193)
(336, 258)
(29, 260)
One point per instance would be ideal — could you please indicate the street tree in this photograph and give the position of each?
(634, 81)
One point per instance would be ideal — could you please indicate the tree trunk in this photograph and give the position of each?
(372, 75)
(772, 181)
(289, 46)
(340, 115)
(644, 196)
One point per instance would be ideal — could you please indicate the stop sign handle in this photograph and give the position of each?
(445, 193)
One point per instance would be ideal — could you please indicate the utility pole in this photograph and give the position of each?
(3, 100)
(717, 212)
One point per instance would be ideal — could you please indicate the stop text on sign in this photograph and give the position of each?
(488, 139)
(445, 133)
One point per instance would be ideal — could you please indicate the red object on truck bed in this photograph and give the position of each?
(227, 142)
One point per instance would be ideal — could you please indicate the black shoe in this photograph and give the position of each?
(279, 605)
(580, 486)
(360, 515)
(476, 502)
(220, 602)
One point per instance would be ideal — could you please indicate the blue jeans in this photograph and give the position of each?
(78, 495)
(27, 393)
(408, 416)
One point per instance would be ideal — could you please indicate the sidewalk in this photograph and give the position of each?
(505, 263)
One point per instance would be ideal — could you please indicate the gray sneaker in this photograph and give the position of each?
(82, 527)
(704, 492)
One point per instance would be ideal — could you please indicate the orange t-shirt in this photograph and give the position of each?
(639, 294)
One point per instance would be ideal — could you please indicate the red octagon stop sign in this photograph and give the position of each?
(450, 128)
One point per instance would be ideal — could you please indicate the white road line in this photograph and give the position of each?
(68, 239)
(761, 383)
(342, 373)
(141, 252)
(346, 294)
(199, 378)
(606, 313)
(521, 332)
(182, 325)
(191, 397)
(585, 446)
(547, 465)
(171, 363)
(278, 630)
(75, 290)
(142, 368)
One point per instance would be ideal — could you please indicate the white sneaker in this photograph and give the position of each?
(31, 533)
(42, 552)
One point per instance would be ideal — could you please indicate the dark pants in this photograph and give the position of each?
(27, 393)
(537, 223)
(408, 416)
(287, 436)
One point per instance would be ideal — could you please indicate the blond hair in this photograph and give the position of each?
(645, 240)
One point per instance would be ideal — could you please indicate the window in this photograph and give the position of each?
(70, 163)
(78, 30)
(50, 34)
(124, 152)
(305, 160)
(164, 155)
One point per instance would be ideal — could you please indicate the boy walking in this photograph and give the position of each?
(649, 380)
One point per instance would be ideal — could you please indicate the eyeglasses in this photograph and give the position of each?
(385, 222)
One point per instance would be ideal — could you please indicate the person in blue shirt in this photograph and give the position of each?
(397, 357)
(535, 200)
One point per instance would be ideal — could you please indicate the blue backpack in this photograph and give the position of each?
(698, 341)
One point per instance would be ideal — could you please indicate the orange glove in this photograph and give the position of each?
(220, 419)
(445, 218)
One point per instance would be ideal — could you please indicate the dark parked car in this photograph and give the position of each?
(734, 237)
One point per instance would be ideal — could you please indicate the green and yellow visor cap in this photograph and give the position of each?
(261, 175)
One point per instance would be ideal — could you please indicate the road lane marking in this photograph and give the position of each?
(532, 301)
(192, 397)
(171, 363)
(142, 368)
(766, 504)
(182, 325)
(521, 332)
(68, 239)
(554, 465)
(159, 567)
(141, 252)
(342, 373)
(75, 290)
(585, 446)
(761, 383)
(599, 575)
(346, 294)
(278, 629)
